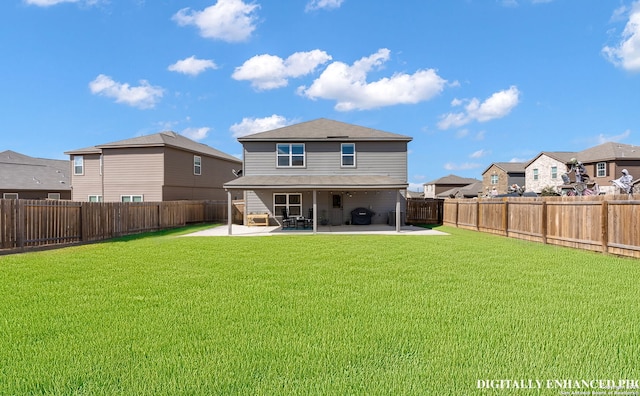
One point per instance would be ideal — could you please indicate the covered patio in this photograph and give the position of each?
(375, 229)
(382, 194)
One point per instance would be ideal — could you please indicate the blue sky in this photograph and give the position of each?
(473, 82)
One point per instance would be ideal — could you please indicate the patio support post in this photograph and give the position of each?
(229, 212)
(315, 211)
(398, 214)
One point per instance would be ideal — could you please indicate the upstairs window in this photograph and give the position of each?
(290, 155)
(554, 172)
(535, 174)
(197, 165)
(494, 179)
(78, 165)
(601, 169)
(131, 198)
(348, 154)
(53, 196)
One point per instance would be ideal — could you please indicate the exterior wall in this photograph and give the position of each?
(381, 202)
(133, 171)
(90, 183)
(180, 182)
(614, 171)
(323, 158)
(544, 164)
(503, 180)
(36, 194)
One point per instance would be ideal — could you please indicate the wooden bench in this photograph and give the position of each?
(258, 219)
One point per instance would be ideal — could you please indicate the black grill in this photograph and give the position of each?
(361, 216)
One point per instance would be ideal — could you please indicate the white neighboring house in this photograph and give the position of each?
(546, 169)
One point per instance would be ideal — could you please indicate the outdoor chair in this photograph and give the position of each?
(287, 222)
(309, 220)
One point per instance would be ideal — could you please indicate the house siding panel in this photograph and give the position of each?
(323, 158)
(89, 183)
(544, 164)
(133, 171)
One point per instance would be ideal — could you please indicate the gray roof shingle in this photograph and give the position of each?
(21, 172)
(324, 129)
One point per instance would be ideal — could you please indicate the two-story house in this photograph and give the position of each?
(164, 166)
(323, 169)
(545, 170)
(24, 177)
(606, 161)
(497, 178)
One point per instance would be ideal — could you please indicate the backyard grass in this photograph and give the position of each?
(300, 315)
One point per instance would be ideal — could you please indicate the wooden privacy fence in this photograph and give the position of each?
(424, 211)
(607, 224)
(34, 223)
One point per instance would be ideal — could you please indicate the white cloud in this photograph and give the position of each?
(349, 87)
(196, 133)
(497, 105)
(416, 187)
(192, 66)
(48, 3)
(250, 126)
(480, 153)
(615, 138)
(323, 4)
(227, 20)
(270, 71)
(627, 53)
(144, 96)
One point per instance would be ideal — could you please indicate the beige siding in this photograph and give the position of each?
(133, 171)
(90, 183)
(182, 183)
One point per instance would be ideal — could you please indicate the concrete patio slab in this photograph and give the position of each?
(375, 229)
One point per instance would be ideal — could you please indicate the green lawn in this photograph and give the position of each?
(305, 314)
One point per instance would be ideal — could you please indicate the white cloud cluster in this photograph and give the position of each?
(602, 138)
(464, 166)
(480, 153)
(192, 66)
(627, 53)
(270, 71)
(196, 133)
(227, 20)
(250, 126)
(144, 96)
(323, 4)
(349, 87)
(497, 105)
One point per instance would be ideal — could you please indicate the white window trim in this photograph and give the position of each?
(496, 178)
(80, 159)
(98, 198)
(197, 165)
(53, 196)
(604, 169)
(343, 155)
(536, 174)
(132, 197)
(290, 155)
(554, 175)
(10, 196)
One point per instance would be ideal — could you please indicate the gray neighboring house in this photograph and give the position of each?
(24, 177)
(546, 169)
(472, 190)
(323, 169)
(164, 166)
(443, 187)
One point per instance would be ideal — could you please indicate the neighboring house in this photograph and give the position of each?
(328, 165)
(24, 177)
(164, 166)
(469, 191)
(501, 175)
(415, 194)
(606, 161)
(436, 188)
(546, 170)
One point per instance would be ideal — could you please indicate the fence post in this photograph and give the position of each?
(505, 217)
(604, 219)
(21, 226)
(543, 222)
(477, 215)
